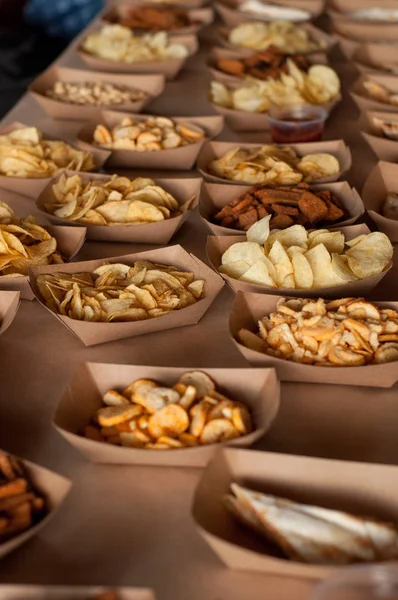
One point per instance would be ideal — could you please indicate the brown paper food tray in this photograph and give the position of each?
(356, 488)
(151, 233)
(345, 7)
(214, 150)
(54, 488)
(375, 58)
(222, 34)
(215, 196)
(257, 388)
(384, 148)
(231, 15)
(80, 592)
(365, 102)
(9, 303)
(200, 17)
(382, 179)
(188, 4)
(30, 186)
(182, 158)
(217, 245)
(347, 45)
(97, 333)
(153, 85)
(364, 30)
(168, 68)
(246, 311)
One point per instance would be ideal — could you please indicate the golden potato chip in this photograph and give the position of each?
(281, 261)
(302, 271)
(370, 256)
(332, 240)
(172, 420)
(113, 415)
(218, 430)
(249, 252)
(258, 274)
(324, 164)
(259, 232)
(203, 383)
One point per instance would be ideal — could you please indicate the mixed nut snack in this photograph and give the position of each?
(287, 206)
(24, 153)
(94, 94)
(119, 44)
(156, 133)
(153, 416)
(269, 63)
(118, 292)
(21, 505)
(288, 37)
(154, 18)
(273, 165)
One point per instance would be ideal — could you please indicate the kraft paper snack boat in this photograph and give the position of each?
(364, 30)
(215, 196)
(382, 180)
(186, 191)
(384, 147)
(168, 68)
(53, 487)
(214, 149)
(198, 17)
(217, 245)
(375, 58)
(31, 187)
(354, 5)
(357, 488)
(182, 158)
(231, 15)
(248, 308)
(366, 101)
(38, 592)
(257, 388)
(151, 85)
(91, 333)
(9, 303)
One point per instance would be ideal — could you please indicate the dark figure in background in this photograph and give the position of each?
(32, 34)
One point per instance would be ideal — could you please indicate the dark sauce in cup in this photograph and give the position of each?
(297, 124)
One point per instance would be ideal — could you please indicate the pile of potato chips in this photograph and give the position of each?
(348, 332)
(88, 93)
(119, 201)
(296, 258)
(153, 134)
(24, 153)
(24, 243)
(119, 44)
(119, 292)
(272, 165)
(319, 86)
(147, 415)
(290, 38)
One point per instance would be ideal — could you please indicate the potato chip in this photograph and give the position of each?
(250, 252)
(341, 268)
(323, 164)
(281, 261)
(370, 256)
(259, 232)
(235, 269)
(287, 36)
(258, 274)
(302, 271)
(321, 264)
(296, 235)
(332, 240)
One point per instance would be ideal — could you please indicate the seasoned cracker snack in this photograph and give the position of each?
(21, 505)
(93, 94)
(349, 332)
(119, 44)
(24, 153)
(290, 38)
(319, 85)
(269, 63)
(151, 416)
(273, 165)
(313, 534)
(154, 18)
(156, 133)
(297, 259)
(118, 292)
(119, 201)
(24, 243)
(287, 206)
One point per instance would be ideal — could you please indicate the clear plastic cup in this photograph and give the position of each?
(377, 582)
(298, 123)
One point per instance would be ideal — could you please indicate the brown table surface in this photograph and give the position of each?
(132, 525)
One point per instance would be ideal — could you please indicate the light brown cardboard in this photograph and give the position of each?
(217, 245)
(97, 333)
(55, 489)
(214, 150)
(364, 101)
(199, 17)
(168, 68)
(381, 180)
(354, 5)
(32, 187)
(9, 303)
(64, 592)
(182, 158)
(363, 29)
(246, 311)
(347, 45)
(353, 487)
(215, 196)
(152, 233)
(375, 58)
(231, 15)
(153, 85)
(257, 388)
(384, 148)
